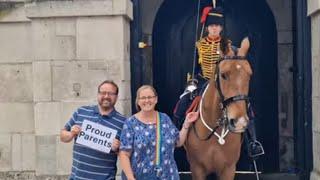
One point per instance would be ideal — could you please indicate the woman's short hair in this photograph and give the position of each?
(143, 87)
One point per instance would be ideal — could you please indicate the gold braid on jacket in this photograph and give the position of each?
(209, 54)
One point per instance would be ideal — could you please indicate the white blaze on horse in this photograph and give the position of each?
(214, 142)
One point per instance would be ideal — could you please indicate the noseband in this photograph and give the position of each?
(224, 121)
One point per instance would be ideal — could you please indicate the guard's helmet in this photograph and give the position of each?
(212, 16)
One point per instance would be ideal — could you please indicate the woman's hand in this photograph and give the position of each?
(192, 116)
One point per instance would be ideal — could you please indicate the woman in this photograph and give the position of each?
(210, 48)
(148, 140)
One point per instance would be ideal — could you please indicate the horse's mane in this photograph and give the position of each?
(224, 45)
(226, 48)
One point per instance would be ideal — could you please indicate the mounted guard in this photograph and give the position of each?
(209, 52)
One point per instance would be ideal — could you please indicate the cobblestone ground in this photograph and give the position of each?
(31, 176)
(28, 176)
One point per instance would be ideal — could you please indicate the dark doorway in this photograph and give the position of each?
(174, 37)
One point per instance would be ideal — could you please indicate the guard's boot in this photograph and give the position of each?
(255, 148)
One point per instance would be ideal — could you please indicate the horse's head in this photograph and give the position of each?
(232, 81)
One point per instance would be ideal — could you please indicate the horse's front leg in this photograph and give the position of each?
(198, 173)
(227, 173)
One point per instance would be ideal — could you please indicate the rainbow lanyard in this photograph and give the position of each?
(158, 141)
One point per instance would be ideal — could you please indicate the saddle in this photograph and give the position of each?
(194, 105)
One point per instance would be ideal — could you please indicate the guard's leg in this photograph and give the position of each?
(255, 148)
(184, 102)
(180, 110)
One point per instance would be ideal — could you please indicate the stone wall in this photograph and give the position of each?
(53, 54)
(314, 13)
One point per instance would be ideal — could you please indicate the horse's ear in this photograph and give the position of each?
(244, 47)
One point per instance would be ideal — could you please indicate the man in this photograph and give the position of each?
(89, 163)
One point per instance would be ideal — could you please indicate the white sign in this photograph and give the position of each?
(96, 136)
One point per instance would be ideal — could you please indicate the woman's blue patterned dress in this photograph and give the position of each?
(140, 139)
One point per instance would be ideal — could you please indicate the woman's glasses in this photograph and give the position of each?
(146, 97)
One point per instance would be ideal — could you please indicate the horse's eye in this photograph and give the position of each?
(224, 76)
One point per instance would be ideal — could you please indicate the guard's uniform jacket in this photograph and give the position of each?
(209, 54)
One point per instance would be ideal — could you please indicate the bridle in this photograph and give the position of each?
(226, 101)
(224, 121)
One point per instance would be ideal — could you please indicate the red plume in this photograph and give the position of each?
(205, 13)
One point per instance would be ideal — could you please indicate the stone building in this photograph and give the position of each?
(314, 14)
(54, 53)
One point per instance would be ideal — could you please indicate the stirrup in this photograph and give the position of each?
(255, 149)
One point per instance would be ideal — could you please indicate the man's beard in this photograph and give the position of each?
(106, 104)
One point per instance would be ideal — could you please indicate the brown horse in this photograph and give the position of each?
(214, 142)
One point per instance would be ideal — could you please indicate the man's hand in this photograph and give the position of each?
(67, 136)
(75, 130)
(115, 145)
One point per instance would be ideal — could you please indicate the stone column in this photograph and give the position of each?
(17, 140)
(314, 13)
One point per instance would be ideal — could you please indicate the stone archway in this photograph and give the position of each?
(173, 48)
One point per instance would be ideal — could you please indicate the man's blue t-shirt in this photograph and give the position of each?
(89, 163)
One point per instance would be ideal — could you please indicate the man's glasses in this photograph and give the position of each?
(146, 97)
(104, 93)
